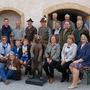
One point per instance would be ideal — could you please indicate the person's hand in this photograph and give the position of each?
(77, 61)
(22, 40)
(49, 60)
(63, 61)
(1, 58)
(5, 57)
(25, 62)
(21, 62)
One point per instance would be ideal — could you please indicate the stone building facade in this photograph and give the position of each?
(35, 9)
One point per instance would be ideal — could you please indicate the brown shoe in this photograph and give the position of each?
(48, 80)
(51, 80)
(7, 82)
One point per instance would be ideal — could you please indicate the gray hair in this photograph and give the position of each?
(55, 14)
(67, 15)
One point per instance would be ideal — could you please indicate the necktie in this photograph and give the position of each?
(4, 47)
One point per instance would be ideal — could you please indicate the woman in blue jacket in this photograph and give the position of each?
(82, 59)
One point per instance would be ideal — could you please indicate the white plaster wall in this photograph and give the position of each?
(34, 8)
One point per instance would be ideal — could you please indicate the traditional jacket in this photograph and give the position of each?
(53, 52)
(77, 34)
(63, 36)
(45, 34)
(30, 32)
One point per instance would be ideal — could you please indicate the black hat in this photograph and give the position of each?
(86, 33)
(30, 20)
(43, 20)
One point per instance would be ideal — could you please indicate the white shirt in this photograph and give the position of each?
(24, 49)
(7, 49)
(68, 52)
(57, 31)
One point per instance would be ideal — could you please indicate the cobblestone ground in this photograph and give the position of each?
(20, 85)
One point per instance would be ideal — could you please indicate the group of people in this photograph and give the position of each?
(63, 46)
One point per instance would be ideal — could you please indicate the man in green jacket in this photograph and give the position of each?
(64, 33)
(80, 29)
(45, 32)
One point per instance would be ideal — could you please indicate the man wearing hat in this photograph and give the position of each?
(45, 32)
(30, 30)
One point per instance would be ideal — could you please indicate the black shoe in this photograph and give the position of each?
(63, 80)
(67, 78)
(26, 72)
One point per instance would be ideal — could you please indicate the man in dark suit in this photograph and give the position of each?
(6, 29)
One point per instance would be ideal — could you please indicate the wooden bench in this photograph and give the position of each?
(86, 70)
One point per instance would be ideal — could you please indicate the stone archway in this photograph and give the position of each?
(72, 12)
(69, 6)
(13, 14)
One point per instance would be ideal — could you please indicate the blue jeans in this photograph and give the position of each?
(3, 72)
(24, 58)
(11, 74)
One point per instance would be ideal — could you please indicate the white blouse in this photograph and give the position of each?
(68, 52)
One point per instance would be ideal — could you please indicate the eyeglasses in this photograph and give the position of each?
(4, 39)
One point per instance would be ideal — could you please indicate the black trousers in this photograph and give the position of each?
(49, 68)
(64, 69)
(28, 68)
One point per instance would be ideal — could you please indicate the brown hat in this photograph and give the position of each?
(30, 20)
(43, 20)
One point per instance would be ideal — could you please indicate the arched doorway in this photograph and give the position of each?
(72, 12)
(12, 15)
(73, 9)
